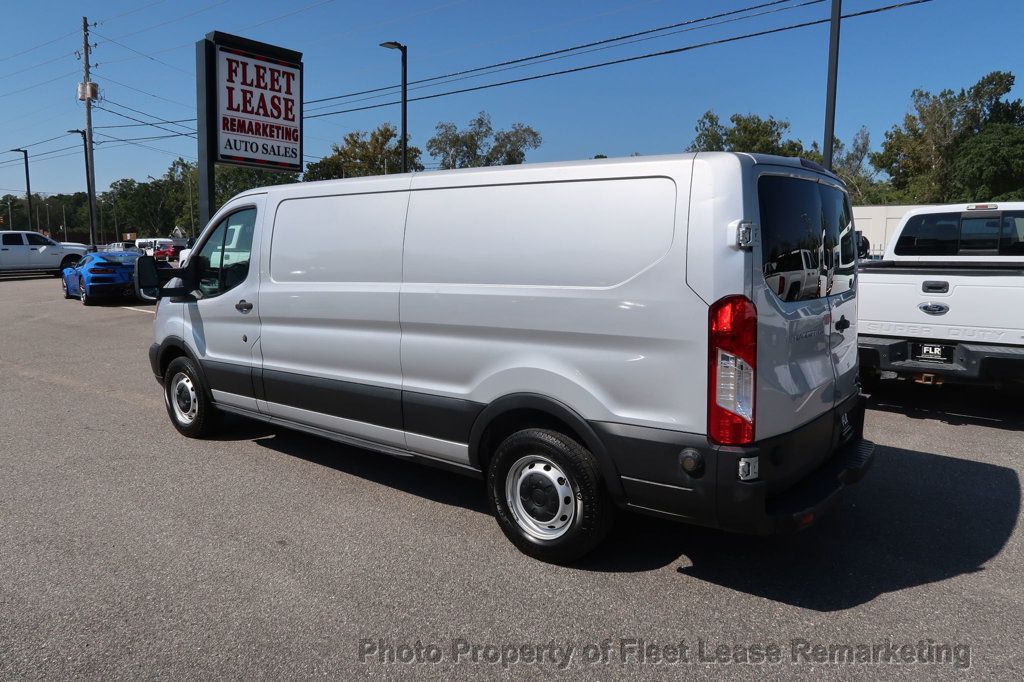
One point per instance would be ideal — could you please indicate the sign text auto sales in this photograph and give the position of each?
(259, 110)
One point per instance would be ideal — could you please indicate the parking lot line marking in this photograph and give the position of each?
(139, 310)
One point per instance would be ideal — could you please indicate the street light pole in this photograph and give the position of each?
(28, 185)
(89, 188)
(830, 96)
(395, 45)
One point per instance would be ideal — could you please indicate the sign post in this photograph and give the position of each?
(249, 101)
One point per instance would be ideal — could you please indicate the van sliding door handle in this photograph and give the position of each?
(843, 324)
(243, 306)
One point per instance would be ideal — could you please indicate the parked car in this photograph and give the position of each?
(167, 253)
(582, 336)
(106, 274)
(21, 251)
(944, 303)
(150, 246)
(122, 246)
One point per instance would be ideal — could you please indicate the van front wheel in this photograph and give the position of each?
(187, 401)
(547, 493)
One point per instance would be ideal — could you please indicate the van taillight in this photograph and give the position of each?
(782, 285)
(732, 373)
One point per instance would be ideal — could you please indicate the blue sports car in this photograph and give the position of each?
(107, 274)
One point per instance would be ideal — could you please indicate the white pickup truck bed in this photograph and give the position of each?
(935, 309)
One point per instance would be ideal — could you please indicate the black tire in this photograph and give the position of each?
(68, 262)
(206, 417)
(83, 294)
(64, 287)
(592, 512)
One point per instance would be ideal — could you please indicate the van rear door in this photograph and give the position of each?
(796, 378)
(841, 243)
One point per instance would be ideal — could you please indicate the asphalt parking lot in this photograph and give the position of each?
(127, 550)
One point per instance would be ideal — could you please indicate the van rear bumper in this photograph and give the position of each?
(801, 473)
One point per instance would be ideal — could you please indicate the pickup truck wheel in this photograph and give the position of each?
(66, 262)
(546, 491)
(186, 398)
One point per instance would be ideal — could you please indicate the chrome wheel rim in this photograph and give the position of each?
(183, 399)
(541, 498)
(81, 292)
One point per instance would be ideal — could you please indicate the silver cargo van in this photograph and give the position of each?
(582, 336)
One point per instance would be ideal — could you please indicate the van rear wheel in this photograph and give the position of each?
(546, 491)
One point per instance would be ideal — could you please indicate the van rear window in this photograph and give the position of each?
(807, 247)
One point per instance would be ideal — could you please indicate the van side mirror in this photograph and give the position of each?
(145, 273)
(863, 247)
(150, 279)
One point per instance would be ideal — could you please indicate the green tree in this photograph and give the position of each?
(480, 145)
(989, 166)
(375, 153)
(920, 154)
(232, 180)
(746, 133)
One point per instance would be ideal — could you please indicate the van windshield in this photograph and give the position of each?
(807, 248)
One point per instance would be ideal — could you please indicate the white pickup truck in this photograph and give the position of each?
(946, 302)
(32, 251)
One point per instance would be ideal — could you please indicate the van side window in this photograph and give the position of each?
(223, 260)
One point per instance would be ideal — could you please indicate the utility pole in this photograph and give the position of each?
(88, 186)
(10, 219)
(64, 219)
(88, 92)
(830, 96)
(28, 186)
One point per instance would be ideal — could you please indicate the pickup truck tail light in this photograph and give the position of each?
(732, 370)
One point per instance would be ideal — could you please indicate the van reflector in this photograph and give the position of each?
(732, 374)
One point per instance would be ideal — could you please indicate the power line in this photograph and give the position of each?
(36, 47)
(170, 21)
(36, 85)
(139, 125)
(554, 52)
(145, 146)
(131, 11)
(150, 94)
(143, 54)
(624, 60)
(515, 65)
(137, 120)
(143, 113)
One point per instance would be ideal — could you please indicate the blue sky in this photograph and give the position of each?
(648, 107)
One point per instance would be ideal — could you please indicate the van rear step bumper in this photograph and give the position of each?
(801, 474)
(801, 506)
(971, 361)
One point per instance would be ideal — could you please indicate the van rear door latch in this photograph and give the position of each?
(743, 234)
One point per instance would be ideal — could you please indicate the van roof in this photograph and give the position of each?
(768, 159)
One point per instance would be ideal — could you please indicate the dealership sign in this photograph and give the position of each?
(253, 103)
(259, 103)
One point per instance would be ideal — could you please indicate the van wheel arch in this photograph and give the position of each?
(516, 412)
(173, 347)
